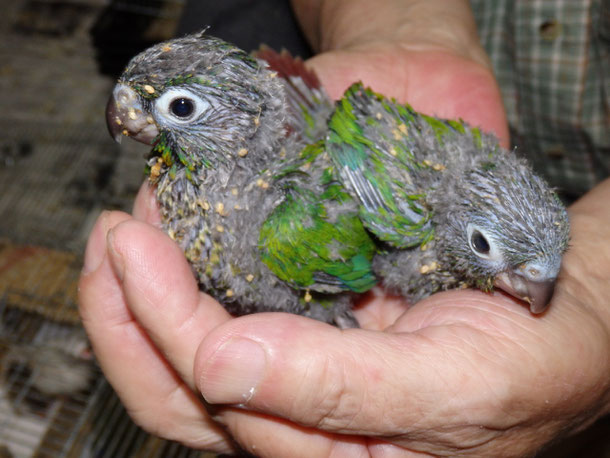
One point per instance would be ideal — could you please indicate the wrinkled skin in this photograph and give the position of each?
(460, 373)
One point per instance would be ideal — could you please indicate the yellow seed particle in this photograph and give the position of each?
(242, 152)
(219, 228)
(427, 163)
(166, 48)
(235, 191)
(172, 234)
(403, 128)
(150, 120)
(396, 134)
(306, 166)
(229, 293)
(283, 152)
(148, 88)
(262, 183)
(155, 170)
(424, 269)
(438, 167)
(203, 204)
(237, 207)
(249, 278)
(307, 297)
(220, 208)
(118, 121)
(132, 114)
(125, 132)
(378, 116)
(424, 247)
(393, 152)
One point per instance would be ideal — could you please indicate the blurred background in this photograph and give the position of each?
(58, 169)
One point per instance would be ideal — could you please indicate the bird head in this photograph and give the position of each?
(198, 99)
(505, 227)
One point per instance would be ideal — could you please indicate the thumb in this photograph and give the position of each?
(351, 382)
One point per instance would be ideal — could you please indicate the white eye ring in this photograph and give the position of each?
(483, 244)
(180, 105)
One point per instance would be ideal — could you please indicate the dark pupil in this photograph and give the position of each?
(182, 107)
(479, 242)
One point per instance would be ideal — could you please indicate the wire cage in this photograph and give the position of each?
(58, 169)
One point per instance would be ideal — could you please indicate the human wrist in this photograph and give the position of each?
(415, 25)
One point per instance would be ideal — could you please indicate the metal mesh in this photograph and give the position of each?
(88, 422)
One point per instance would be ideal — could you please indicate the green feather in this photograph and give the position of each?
(366, 167)
(302, 246)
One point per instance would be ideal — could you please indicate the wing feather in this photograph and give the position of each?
(367, 143)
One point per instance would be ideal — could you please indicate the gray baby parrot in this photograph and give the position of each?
(451, 206)
(242, 178)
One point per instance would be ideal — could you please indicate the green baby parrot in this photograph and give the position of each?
(243, 180)
(452, 208)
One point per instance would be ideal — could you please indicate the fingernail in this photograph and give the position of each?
(233, 373)
(96, 245)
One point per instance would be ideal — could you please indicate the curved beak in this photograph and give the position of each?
(126, 117)
(537, 293)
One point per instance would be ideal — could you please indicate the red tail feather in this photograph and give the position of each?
(286, 66)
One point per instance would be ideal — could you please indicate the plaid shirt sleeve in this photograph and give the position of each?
(552, 61)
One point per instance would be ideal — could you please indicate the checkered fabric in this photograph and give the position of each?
(552, 61)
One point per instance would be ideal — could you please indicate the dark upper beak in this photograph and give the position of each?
(113, 120)
(125, 116)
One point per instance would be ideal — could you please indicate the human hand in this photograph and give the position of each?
(462, 372)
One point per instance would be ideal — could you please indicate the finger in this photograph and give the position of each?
(145, 206)
(340, 381)
(149, 388)
(162, 293)
(377, 310)
(252, 431)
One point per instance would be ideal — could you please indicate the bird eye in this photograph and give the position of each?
(479, 243)
(484, 244)
(182, 107)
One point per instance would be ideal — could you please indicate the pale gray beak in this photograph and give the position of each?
(537, 294)
(125, 116)
(532, 282)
